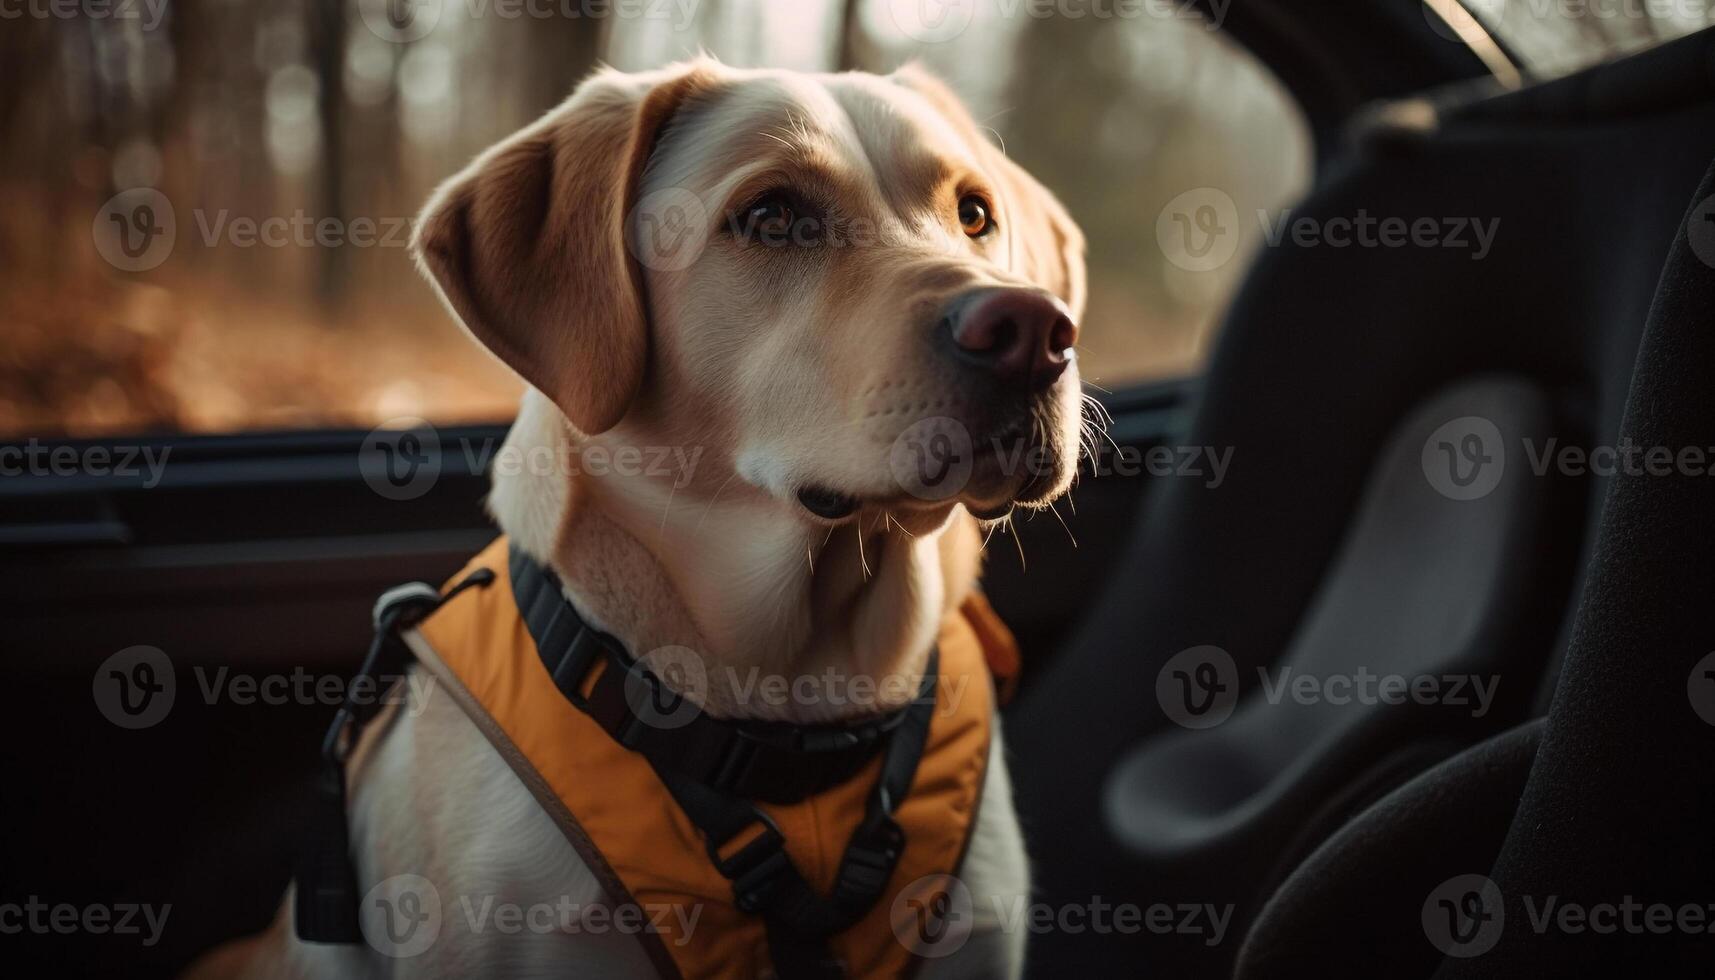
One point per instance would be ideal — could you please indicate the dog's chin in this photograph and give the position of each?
(994, 499)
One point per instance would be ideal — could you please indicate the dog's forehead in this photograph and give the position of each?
(895, 124)
(864, 125)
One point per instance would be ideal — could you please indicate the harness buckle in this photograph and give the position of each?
(868, 863)
(756, 867)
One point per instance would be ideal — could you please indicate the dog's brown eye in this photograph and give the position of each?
(974, 216)
(770, 218)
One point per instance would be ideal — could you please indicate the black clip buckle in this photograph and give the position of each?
(868, 863)
(756, 866)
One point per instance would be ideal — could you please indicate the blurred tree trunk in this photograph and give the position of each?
(326, 34)
(26, 50)
(559, 52)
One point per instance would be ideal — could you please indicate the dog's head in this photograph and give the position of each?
(834, 282)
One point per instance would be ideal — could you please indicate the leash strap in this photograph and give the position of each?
(743, 842)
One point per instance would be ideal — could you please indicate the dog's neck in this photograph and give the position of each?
(787, 621)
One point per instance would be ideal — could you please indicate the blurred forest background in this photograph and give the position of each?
(352, 111)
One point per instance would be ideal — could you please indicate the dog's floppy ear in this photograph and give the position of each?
(1047, 247)
(528, 247)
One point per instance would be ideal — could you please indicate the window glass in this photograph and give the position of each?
(1556, 37)
(204, 205)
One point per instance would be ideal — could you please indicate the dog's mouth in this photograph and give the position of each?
(1017, 464)
(831, 505)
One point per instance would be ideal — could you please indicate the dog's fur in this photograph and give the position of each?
(785, 369)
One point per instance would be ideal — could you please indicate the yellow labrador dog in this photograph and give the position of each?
(795, 275)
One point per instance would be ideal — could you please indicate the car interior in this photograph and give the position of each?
(1570, 602)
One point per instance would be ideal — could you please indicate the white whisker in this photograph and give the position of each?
(716, 497)
(1017, 542)
(1062, 520)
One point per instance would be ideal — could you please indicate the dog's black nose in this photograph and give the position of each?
(1021, 336)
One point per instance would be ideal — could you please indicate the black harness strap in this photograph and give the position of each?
(326, 905)
(714, 784)
(771, 762)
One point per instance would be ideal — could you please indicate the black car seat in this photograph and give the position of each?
(1397, 503)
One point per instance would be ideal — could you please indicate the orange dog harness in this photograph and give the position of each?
(765, 830)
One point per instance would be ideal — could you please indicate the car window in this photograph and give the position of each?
(1556, 37)
(204, 207)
